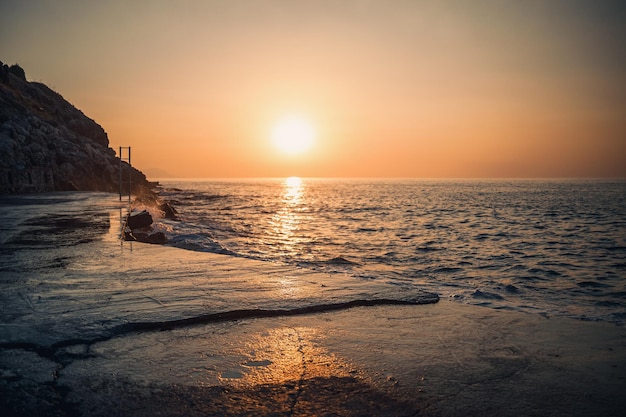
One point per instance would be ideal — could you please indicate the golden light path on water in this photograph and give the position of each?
(286, 222)
(285, 353)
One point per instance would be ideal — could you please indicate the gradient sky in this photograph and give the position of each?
(533, 88)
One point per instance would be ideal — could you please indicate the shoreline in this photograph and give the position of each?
(443, 359)
(477, 297)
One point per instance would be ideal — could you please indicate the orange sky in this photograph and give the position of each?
(393, 88)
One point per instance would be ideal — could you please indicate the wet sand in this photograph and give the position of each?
(443, 359)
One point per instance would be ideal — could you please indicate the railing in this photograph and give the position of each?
(130, 169)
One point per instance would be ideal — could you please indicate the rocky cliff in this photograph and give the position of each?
(47, 144)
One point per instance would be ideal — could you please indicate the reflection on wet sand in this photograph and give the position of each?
(281, 355)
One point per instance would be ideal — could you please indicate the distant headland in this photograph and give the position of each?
(47, 144)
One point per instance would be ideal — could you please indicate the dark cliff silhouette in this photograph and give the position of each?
(47, 144)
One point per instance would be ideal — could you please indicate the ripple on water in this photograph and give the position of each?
(542, 237)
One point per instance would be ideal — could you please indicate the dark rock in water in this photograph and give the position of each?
(511, 289)
(145, 237)
(139, 220)
(138, 229)
(168, 211)
(47, 144)
(158, 237)
(340, 261)
(486, 295)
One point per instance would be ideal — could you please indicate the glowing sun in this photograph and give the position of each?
(293, 135)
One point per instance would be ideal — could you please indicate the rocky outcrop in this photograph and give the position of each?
(139, 228)
(140, 219)
(47, 144)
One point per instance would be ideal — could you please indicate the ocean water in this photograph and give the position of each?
(550, 247)
(68, 281)
(554, 248)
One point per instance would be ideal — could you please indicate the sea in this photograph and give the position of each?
(551, 247)
(248, 248)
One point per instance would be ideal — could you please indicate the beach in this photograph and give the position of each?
(441, 360)
(70, 346)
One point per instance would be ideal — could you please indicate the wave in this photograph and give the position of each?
(199, 242)
(480, 235)
(52, 352)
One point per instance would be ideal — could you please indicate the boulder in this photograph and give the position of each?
(145, 237)
(168, 211)
(137, 220)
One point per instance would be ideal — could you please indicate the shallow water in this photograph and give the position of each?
(554, 247)
(67, 279)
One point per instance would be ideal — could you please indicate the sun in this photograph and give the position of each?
(293, 135)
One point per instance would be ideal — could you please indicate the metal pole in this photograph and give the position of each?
(120, 173)
(130, 174)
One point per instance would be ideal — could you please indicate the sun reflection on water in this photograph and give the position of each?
(293, 192)
(293, 182)
(286, 222)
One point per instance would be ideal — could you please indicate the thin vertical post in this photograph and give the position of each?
(120, 154)
(130, 171)
(130, 174)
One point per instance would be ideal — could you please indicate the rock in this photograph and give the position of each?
(128, 235)
(486, 295)
(139, 220)
(158, 238)
(155, 238)
(340, 261)
(47, 144)
(168, 211)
